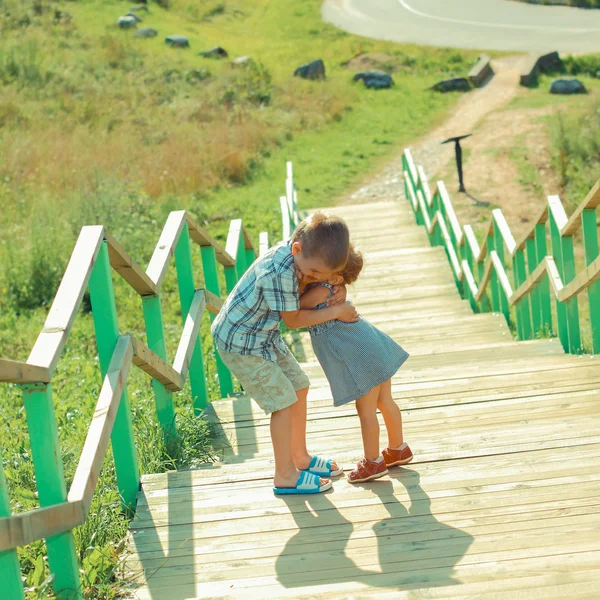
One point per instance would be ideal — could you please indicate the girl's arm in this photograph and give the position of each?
(308, 317)
(314, 296)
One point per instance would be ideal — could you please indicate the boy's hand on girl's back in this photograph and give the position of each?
(347, 313)
(339, 295)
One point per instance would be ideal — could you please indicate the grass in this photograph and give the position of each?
(97, 126)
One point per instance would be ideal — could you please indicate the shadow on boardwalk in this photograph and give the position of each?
(413, 548)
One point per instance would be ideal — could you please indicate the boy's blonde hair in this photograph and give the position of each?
(354, 265)
(326, 237)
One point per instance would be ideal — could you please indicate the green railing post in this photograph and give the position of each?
(499, 247)
(10, 570)
(104, 312)
(185, 280)
(561, 309)
(50, 480)
(211, 281)
(590, 240)
(523, 307)
(163, 398)
(536, 309)
(544, 285)
(572, 304)
(494, 284)
(250, 256)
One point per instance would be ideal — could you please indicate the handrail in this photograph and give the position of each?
(541, 270)
(96, 252)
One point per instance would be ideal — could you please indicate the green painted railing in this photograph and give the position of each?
(95, 256)
(542, 262)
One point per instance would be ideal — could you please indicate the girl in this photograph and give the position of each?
(359, 361)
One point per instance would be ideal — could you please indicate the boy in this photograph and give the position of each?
(246, 332)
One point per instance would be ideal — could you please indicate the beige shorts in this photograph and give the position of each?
(272, 385)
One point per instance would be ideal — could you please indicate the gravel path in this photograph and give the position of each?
(428, 151)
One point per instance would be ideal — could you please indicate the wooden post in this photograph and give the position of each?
(523, 307)
(249, 256)
(104, 311)
(185, 281)
(50, 478)
(572, 304)
(590, 240)
(211, 281)
(544, 285)
(163, 398)
(10, 570)
(561, 309)
(536, 309)
(499, 247)
(495, 292)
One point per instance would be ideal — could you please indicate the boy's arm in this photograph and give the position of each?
(314, 296)
(307, 317)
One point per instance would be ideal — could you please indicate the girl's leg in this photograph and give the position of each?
(391, 414)
(300, 452)
(369, 425)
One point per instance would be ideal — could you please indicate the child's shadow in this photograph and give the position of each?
(414, 549)
(317, 553)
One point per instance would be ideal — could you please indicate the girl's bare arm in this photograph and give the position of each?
(313, 297)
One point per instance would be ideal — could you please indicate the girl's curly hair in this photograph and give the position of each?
(354, 265)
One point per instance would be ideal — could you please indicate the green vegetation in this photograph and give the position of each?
(98, 126)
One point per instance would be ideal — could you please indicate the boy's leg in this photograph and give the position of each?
(286, 473)
(369, 425)
(391, 414)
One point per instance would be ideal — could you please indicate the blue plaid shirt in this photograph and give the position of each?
(248, 322)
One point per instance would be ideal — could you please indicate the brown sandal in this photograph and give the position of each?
(394, 457)
(367, 470)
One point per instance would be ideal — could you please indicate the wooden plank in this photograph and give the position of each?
(51, 341)
(213, 302)
(591, 201)
(557, 211)
(24, 528)
(456, 228)
(128, 269)
(99, 432)
(504, 229)
(12, 371)
(165, 248)
(201, 237)
(233, 238)
(263, 243)
(190, 334)
(156, 367)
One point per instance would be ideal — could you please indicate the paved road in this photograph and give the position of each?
(481, 24)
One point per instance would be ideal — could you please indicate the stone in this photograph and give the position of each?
(550, 63)
(312, 70)
(177, 41)
(146, 32)
(127, 23)
(216, 52)
(567, 86)
(458, 84)
(241, 61)
(137, 19)
(377, 80)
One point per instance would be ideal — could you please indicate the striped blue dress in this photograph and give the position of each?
(356, 357)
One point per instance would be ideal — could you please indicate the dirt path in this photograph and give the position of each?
(428, 151)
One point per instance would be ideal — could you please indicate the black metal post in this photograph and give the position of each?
(458, 152)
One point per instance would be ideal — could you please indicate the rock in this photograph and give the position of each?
(377, 80)
(146, 32)
(312, 70)
(567, 86)
(127, 23)
(137, 19)
(177, 41)
(241, 61)
(549, 63)
(458, 84)
(216, 52)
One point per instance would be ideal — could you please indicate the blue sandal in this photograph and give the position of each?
(322, 467)
(307, 484)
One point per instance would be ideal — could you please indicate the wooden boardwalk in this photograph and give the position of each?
(502, 499)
